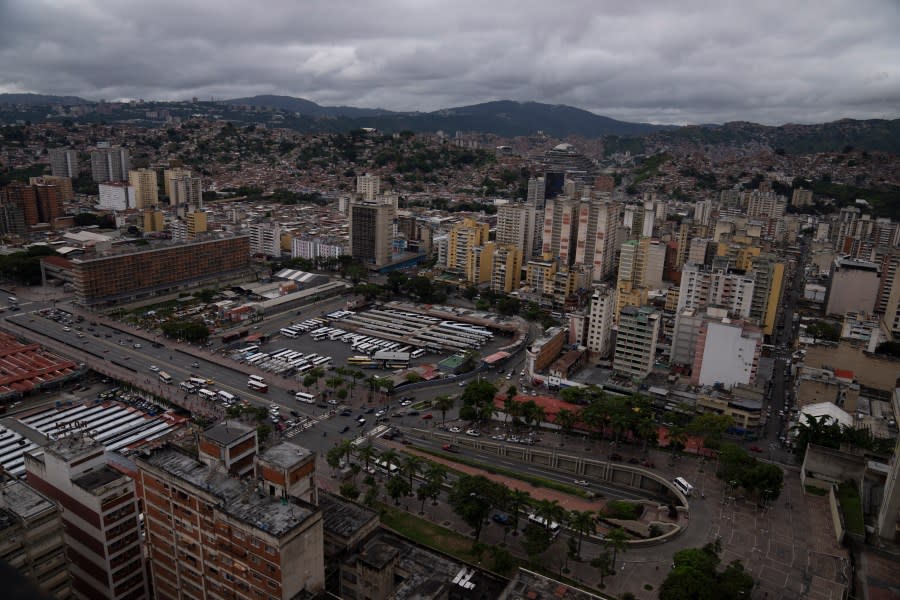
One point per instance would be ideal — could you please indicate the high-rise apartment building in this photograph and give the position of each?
(636, 338)
(154, 220)
(49, 203)
(196, 224)
(63, 162)
(506, 268)
(213, 535)
(537, 191)
(768, 280)
(641, 262)
(99, 509)
(110, 164)
(516, 226)
(31, 538)
(169, 175)
(597, 236)
(371, 231)
(702, 287)
(185, 193)
(368, 186)
(146, 191)
(265, 239)
(560, 230)
(764, 204)
(23, 196)
(37, 203)
(66, 192)
(12, 208)
(601, 321)
(463, 237)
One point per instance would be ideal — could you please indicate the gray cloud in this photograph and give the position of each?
(690, 61)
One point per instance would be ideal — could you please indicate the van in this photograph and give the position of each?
(683, 486)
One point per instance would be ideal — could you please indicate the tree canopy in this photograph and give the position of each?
(695, 576)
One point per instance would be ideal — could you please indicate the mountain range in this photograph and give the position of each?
(510, 118)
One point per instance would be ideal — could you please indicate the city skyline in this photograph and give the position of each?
(767, 63)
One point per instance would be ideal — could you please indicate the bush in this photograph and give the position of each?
(624, 510)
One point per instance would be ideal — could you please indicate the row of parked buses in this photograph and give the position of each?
(298, 329)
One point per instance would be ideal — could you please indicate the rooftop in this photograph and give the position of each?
(238, 499)
(285, 455)
(527, 585)
(227, 433)
(22, 501)
(94, 480)
(343, 518)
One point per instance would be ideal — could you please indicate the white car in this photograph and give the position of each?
(582, 482)
(154, 368)
(405, 402)
(380, 413)
(473, 432)
(455, 430)
(67, 329)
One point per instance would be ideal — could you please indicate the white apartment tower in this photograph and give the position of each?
(515, 226)
(601, 320)
(63, 162)
(265, 238)
(368, 186)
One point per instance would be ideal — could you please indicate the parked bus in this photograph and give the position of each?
(384, 466)
(257, 386)
(256, 378)
(359, 360)
(207, 394)
(289, 333)
(188, 387)
(226, 396)
(417, 353)
(304, 397)
(165, 377)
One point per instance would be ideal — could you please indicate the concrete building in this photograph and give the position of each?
(601, 321)
(154, 220)
(540, 274)
(371, 231)
(463, 237)
(560, 231)
(314, 247)
(110, 164)
(701, 287)
(265, 238)
(506, 268)
(516, 226)
(764, 204)
(13, 201)
(727, 353)
(196, 224)
(801, 197)
(636, 337)
(160, 269)
(171, 174)
(146, 191)
(185, 193)
(63, 162)
(479, 262)
(368, 186)
(64, 184)
(231, 445)
(641, 263)
(31, 538)
(542, 352)
(853, 287)
(212, 535)
(888, 521)
(99, 513)
(116, 195)
(768, 281)
(597, 237)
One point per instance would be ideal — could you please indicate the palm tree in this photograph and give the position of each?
(585, 523)
(366, 453)
(435, 475)
(549, 510)
(615, 540)
(397, 487)
(538, 415)
(443, 403)
(389, 457)
(411, 466)
(566, 420)
(517, 501)
(646, 430)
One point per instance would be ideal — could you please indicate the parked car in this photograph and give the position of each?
(755, 448)
(455, 429)
(473, 432)
(501, 518)
(449, 448)
(345, 429)
(581, 482)
(427, 417)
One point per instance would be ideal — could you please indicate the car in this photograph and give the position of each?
(405, 402)
(501, 518)
(455, 429)
(137, 345)
(615, 456)
(380, 413)
(195, 365)
(473, 432)
(370, 410)
(67, 329)
(332, 401)
(154, 368)
(427, 417)
(346, 412)
(755, 448)
(345, 429)
(413, 413)
(274, 407)
(582, 482)
(361, 422)
(449, 448)
(462, 384)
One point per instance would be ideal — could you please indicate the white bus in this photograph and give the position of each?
(165, 377)
(257, 386)
(417, 353)
(226, 396)
(553, 527)
(683, 486)
(304, 397)
(198, 381)
(384, 466)
(289, 333)
(188, 387)
(256, 378)
(207, 394)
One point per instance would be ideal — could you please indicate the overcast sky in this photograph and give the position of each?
(665, 61)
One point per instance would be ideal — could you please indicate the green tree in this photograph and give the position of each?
(366, 454)
(517, 501)
(615, 540)
(411, 466)
(710, 427)
(397, 487)
(444, 403)
(566, 420)
(472, 498)
(536, 540)
(584, 522)
(604, 565)
(695, 576)
(349, 490)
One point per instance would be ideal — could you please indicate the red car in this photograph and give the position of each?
(427, 417)
(755, 449)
